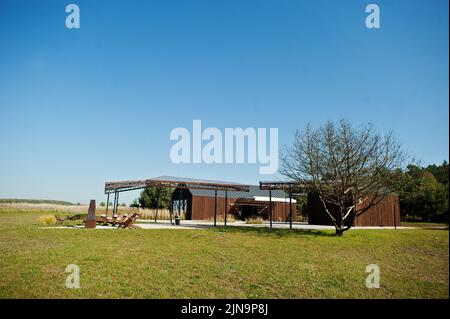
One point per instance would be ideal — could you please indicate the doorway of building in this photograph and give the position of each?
(249, 212)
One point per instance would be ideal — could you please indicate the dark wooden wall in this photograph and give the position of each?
(385, 213)
(280, 212)
(203, 208)
(315, 211)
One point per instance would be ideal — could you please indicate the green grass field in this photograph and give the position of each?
(218, 263)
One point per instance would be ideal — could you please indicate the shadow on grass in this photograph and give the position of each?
(264, 231)
(436, 228)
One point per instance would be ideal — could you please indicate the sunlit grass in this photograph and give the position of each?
(218, 263)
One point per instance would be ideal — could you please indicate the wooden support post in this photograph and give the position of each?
(113, 203)
(171, 208)
(179, 203)
(107, 205)
(270, 207)
(117, 205)
(226, 207)
(215, 207)
(158, 203)
(290, 208)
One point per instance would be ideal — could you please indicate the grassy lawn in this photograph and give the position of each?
(218, 263)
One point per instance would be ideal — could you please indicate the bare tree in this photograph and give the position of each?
(350, 169)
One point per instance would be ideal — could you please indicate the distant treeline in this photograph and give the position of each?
(33, 201)
(425, 195)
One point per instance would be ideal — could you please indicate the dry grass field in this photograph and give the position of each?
(81, 209)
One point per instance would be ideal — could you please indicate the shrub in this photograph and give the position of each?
(47, 220)
(257, 220)
(135, 203)
(231, 217)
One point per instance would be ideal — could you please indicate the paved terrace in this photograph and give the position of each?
(190, 224)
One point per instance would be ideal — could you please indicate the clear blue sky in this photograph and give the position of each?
(79, 107)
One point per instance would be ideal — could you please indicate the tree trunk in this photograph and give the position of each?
(340, 227)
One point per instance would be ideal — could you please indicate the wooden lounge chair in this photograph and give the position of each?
(102, 219)
(118, 219)
(113, 220)
(129, 221)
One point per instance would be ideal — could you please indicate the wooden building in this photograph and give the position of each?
(385, 213)
(199, 204)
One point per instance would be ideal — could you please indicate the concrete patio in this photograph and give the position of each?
(189, 224)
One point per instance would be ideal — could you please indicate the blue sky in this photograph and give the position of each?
(82, 106)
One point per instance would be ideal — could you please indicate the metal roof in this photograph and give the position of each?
(254, 191)
(192, 180)
(172, 182)
(293, 186)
